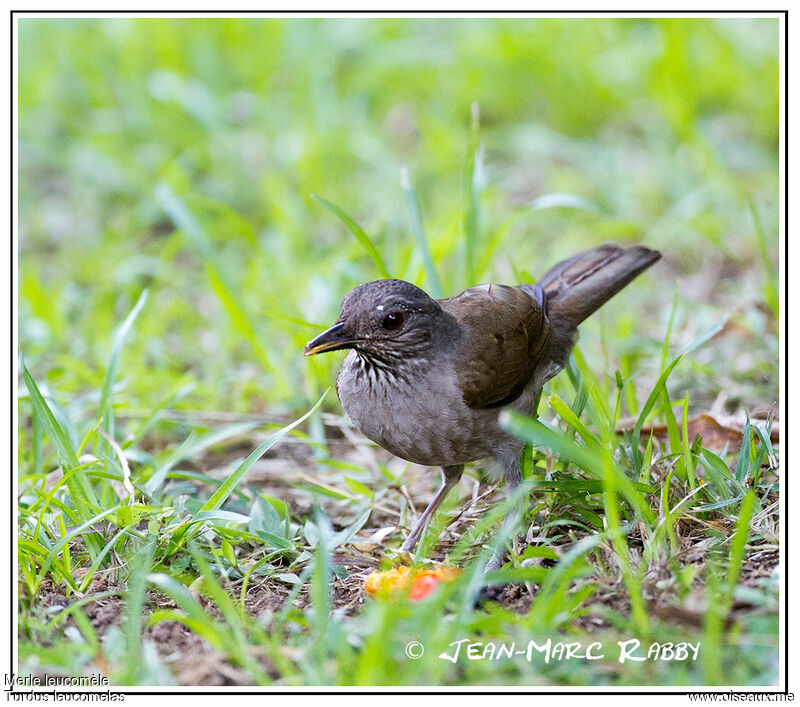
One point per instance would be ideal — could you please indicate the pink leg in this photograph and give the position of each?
(450, 477)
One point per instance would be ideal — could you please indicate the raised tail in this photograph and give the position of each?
(579, 286)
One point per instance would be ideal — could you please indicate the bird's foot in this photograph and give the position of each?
(491, 592)
(408, 544)
(494, 563)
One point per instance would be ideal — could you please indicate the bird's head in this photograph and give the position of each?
(384, 320)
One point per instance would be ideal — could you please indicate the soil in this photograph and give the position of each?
(194, 661)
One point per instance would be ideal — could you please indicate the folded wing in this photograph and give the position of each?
(505, 332)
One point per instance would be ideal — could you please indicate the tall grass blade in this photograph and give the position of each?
(539, 434)
(320, 592)
(419, 235)
(139, 566)
(226, 488)
(688, 462)
(79, 486)
(219, 279)
(472, 188)
(721, 597)
(668, 334)
(619, 542)
(739, 542)
(113, 363)
(357, 231)
(743, 460)
(648, 406)
(192, 445)
(566, 414)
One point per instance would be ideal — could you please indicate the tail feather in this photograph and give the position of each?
(579, 286)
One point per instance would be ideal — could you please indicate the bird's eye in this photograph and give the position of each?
(393, 321)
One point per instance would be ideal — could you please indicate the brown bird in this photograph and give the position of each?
(427, 379)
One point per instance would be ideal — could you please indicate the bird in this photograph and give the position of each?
(427, 379)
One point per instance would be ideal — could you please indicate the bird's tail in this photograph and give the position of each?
(579, 286)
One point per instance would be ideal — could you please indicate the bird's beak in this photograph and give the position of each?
(332, 339)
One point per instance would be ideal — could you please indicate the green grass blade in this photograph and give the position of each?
(673, 433)
(220, 282)
(739, 542)
(648, 406)
(73, 534)
(113, 363)
(79, 487)
(50, 497)
(191, 446)
(320, 593)
(226, 488)
(598, 409)
(135, 598)
(762, 429)
(235, 308)
(472, 189)
(743, 460)
(644, 472)
(566, 414)
(721, 597)
(668, 334)
(419, 235)
(357, 231)
(539, 434)
(688, 462)
(619, 542)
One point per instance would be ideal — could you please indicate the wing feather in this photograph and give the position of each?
(505, 332)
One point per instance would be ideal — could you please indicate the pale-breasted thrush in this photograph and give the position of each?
(426, 379)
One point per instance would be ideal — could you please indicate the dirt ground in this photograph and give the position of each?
(193, 661)
(281, 473)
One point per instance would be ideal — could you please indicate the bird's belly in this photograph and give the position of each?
(423, 420)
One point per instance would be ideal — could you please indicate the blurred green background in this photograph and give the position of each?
(180, 156)
(660, 131)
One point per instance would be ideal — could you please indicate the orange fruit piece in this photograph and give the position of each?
(417, 583)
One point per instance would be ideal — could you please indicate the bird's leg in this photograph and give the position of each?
(450, 477)
(513, 474)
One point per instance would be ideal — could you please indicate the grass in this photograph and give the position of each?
(192, 507)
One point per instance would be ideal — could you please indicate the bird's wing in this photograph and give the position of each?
(504, 334)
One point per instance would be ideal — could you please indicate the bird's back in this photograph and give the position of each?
(504, 332)
(514, 338)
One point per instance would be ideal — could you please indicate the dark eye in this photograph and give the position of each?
(393, 321)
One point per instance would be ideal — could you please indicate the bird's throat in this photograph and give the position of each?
(389, 368)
